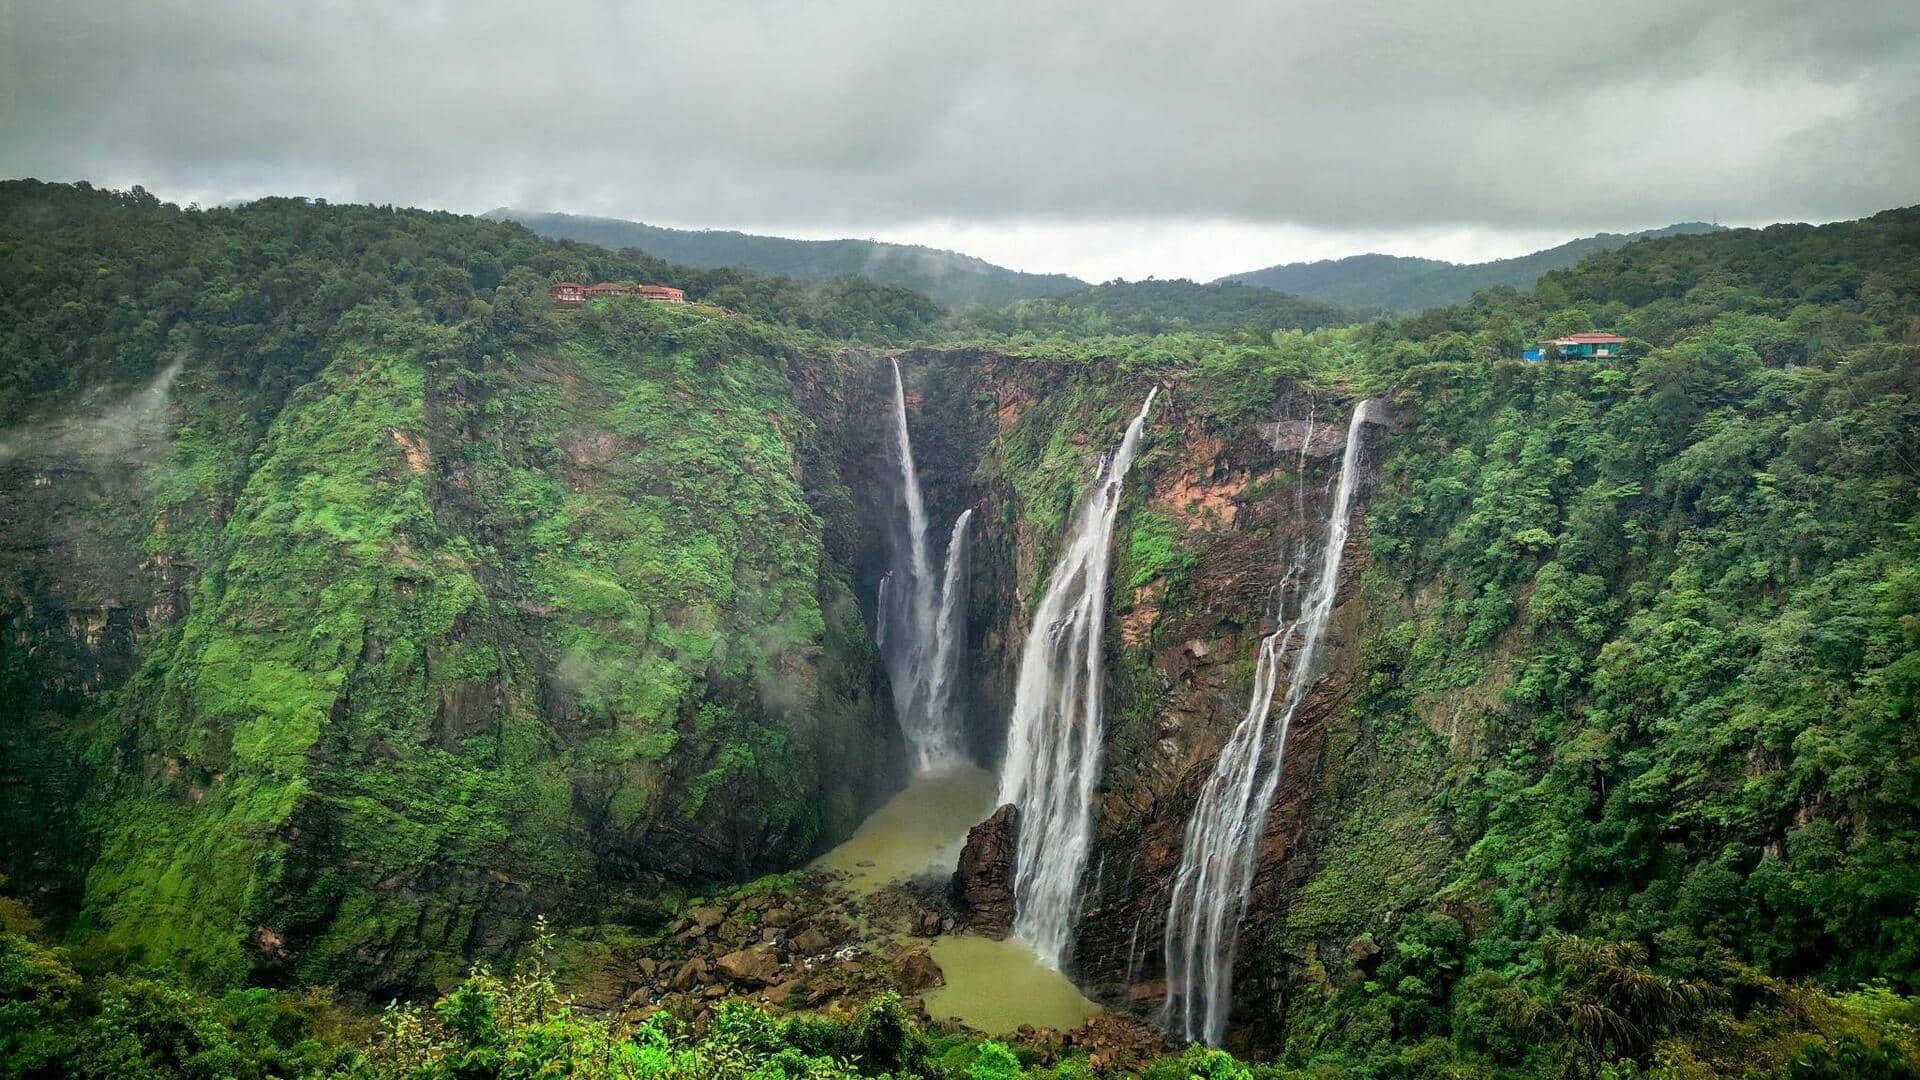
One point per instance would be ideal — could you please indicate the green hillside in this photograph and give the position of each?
(950, 278)
(1401, 283)
(366, 617)
(430, 606)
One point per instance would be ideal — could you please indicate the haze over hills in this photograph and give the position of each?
(950, 278)
(1404, 283)
(956, 280)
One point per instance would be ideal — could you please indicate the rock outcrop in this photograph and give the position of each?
(915, 970)
(983, 884)
(751, 967)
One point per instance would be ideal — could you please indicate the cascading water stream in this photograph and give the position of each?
(920, 630)
(1209, 894)
(949, 633)
(1053, 739)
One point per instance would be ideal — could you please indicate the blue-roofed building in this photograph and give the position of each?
(1576, 347)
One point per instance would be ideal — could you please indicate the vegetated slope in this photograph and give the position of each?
(412, 607)
(1159, 307)
(1613, 758)
(952, 279)
(1403, 283)
(1642, 658)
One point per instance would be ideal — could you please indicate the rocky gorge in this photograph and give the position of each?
(365, 616)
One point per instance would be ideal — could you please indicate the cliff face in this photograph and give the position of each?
(425, 654)
(1189, 658)
(350, 695)
(1224, 490)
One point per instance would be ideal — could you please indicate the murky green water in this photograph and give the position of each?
(994, 986)
(921, 829)
(998, 985)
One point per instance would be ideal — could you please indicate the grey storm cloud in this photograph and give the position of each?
(1325, 113)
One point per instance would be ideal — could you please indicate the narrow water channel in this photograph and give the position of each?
(993, 986)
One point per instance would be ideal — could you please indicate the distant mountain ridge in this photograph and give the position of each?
(1403, 283)
(952, 279)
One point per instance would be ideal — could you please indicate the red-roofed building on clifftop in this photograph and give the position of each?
(573, 294)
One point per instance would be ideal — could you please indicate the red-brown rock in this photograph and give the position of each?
(914, 970)
(750, 967)
(983, 884)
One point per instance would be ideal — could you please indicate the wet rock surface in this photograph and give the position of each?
(983, 884)
(751, 967)
(812, 945)
(1247, 499)
(915, 970)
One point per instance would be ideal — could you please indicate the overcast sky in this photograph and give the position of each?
(1101, 139)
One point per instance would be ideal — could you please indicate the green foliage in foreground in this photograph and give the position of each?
(148, 1024)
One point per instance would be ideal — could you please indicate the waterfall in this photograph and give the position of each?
(1053, 738)
(1209, 893)
(920, 630)
(949, 634)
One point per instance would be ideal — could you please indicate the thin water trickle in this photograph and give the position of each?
(1209, 893)
(1054, 736)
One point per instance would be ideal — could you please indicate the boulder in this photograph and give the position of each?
(983, 884)
(750, 967)
(780, 917)
(808, 942)
(914, 970)
(691, 974)
(701, 921)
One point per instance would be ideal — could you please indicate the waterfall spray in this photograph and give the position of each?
(920, 630)
(1209, 894)
(1053, 739)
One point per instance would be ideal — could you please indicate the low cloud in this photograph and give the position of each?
(131, 432)
(1354, 117)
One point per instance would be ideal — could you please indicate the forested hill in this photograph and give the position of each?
(1402, 283)
(1160, 307)
(950, 278)
(353, 590)
(98, 287)
(360, 608)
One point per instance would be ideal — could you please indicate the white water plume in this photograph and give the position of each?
(920, 629)
(949, 635)
(1209, 894)
(1053, 740)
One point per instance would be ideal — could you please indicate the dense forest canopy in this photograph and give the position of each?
(947, 277)
(1160, 307)
(1631, 786)
(104, 287)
